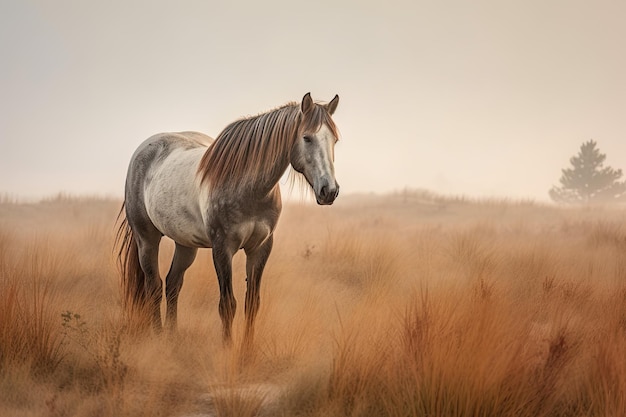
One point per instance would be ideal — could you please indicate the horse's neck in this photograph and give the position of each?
(266, 188)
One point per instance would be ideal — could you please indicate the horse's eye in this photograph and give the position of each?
(307, 139)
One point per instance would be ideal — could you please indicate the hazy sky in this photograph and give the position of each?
(482, 98)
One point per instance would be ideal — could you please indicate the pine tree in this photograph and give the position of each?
(587, 181)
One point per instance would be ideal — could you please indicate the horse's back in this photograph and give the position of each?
(162, 188)
(154, 151)
(162, 144)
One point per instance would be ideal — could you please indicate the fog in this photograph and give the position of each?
(482, 98)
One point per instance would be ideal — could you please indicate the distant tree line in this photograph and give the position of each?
(588, 180)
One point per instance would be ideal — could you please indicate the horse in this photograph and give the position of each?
(222, 194)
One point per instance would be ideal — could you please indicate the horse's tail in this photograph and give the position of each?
(133, 280)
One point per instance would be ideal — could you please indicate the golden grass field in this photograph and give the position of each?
(406, 304)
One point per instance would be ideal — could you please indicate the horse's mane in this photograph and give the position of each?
(254, 149)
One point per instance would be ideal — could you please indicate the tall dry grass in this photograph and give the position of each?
(407, 304)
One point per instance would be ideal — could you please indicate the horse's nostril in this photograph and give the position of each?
(324, 191)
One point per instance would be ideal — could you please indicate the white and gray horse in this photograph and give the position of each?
(221, 194)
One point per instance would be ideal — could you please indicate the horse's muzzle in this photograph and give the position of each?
(327, 194)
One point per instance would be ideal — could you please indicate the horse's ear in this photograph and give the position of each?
(332, 106)
(307, 103)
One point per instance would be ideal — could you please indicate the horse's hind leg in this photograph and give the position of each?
(183, 258)
(148, 247)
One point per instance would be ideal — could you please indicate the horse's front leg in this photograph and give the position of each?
(255, 263)
(223, 261)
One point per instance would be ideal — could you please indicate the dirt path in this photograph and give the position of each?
(246, 400)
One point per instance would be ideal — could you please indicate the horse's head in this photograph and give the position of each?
(313, 153)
